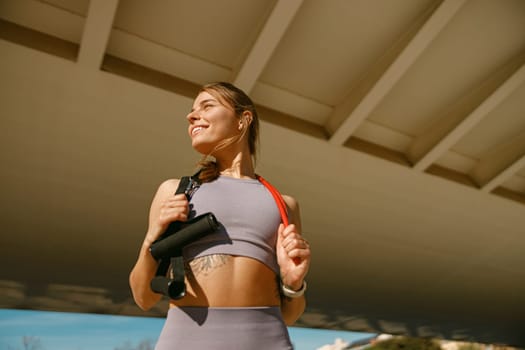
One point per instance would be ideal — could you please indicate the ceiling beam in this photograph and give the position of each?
(97, 30)
(147, 53)
(425, 151)
(500, 165)
(270, 36)
(506, 174)
(428, 32)
(44, 18)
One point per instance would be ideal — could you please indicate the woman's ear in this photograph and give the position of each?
(246, 118)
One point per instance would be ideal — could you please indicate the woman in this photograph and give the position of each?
(245, 282)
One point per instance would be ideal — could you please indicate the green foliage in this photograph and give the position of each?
(406, 343)
(470, 347)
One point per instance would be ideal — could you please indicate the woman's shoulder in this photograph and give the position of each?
(168, 186)
(291, 202)
(294, 215)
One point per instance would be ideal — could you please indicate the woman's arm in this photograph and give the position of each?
(165, 208)
(293, 256)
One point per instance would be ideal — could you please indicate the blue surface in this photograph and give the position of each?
(75, 331)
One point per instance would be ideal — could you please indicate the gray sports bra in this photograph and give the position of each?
(248, 217)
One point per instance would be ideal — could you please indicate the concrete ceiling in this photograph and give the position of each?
(398, 125)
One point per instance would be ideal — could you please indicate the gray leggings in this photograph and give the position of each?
(227, 328)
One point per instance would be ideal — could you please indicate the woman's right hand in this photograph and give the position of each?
(166, 208)
(174, 208)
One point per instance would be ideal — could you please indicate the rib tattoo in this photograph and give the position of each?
(205, 264)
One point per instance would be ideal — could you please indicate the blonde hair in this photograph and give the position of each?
(237, 99)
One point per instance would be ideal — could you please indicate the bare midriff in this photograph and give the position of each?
(229, 281)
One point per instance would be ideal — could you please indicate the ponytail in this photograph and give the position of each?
(209, 170)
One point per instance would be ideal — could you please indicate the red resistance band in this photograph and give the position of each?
(278, 199)
(280, 204)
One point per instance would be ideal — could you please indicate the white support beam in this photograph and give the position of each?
(430, 30)
(468, 123)
(506, 174)
(43, 17)
(501, 164)
(261, 52)
(97, 30)
(179, 64)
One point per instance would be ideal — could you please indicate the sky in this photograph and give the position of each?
(75, 331)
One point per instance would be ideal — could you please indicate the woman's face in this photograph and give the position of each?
(210, 123)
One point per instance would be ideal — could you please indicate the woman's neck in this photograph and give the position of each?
(239, 166)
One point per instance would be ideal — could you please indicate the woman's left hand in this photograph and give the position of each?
(293, 256)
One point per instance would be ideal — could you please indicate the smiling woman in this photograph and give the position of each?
(226, 110)
(245, 280)
(212, 124)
